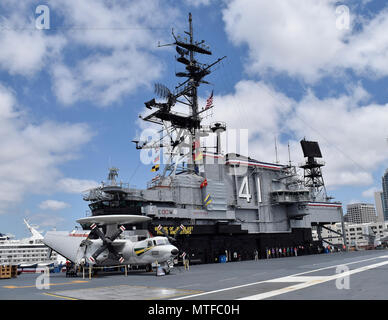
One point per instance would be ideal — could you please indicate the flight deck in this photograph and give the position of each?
(339, 276)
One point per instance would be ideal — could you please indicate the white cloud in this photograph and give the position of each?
(44, 220)
(297, 36)
(366, 51)
(259, 108)
(101, 52)
(32, 152)
(65, 85)
(198, 3)
(124, 35)
(351, 132)
(253, 105)
(301, 38)
(77, 186)
(104, 79)
(24, 52)
(25, 49)
(53, 205)
(353, 201)
(370, 193)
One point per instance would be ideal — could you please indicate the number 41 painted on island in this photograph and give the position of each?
(245, 187)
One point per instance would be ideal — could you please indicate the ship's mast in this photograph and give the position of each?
(194, 92)
(181, 128)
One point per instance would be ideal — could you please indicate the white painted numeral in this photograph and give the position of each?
(258, 190)
(245, 185)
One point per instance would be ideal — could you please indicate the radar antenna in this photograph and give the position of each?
(113, 174)
(313, 178)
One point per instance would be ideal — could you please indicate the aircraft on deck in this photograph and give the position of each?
(104, 246)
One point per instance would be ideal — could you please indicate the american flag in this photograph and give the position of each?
(157, 154)
(209, 101)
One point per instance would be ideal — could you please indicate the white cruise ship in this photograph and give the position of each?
(29, 253)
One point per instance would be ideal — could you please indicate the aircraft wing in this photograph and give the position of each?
(65, 243)
(114, 219)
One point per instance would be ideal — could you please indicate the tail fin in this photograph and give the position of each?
(33, 231)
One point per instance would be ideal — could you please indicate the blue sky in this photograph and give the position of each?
(70, 95)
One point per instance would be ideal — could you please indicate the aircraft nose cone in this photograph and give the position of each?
(174, 252)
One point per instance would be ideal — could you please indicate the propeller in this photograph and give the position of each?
(106, 243)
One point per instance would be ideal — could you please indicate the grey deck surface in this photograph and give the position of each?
(282, 278)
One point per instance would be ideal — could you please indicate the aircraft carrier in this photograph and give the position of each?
(229, 204)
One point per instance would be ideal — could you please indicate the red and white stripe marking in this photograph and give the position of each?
(261, 165)
(325, 205)
(78, 234)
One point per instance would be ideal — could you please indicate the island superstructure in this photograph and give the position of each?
(217, 202)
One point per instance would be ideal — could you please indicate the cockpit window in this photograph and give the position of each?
(161, 242)
(149, 244)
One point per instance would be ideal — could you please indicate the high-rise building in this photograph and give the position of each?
(360, 213)
(379, 206)
(385, 194)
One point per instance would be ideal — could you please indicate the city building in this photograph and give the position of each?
(356, 234)
(360, 213)
(385, 194)
(379, 206)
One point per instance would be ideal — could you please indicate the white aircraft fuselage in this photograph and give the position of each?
(77, 248)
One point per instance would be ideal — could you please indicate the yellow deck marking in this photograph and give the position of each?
(51, 284)
(58, 296)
